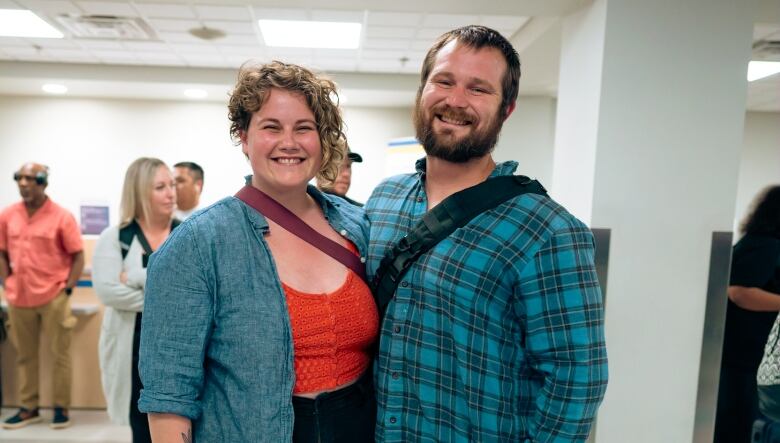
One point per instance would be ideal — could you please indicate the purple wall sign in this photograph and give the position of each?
(94, 219)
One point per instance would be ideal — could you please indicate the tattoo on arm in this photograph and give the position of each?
(187, 438)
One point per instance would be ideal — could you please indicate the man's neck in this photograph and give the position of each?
(444, 178)
(33, 206)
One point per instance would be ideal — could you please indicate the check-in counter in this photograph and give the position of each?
(87, 391)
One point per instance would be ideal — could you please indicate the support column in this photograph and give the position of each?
(648, 135)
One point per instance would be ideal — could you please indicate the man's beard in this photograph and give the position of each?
(476, 144)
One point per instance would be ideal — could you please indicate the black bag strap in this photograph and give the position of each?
(132, 230)
(452, 213)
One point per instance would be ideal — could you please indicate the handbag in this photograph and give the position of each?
(768, 376)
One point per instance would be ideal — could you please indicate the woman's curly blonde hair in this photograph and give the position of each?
(253, 88)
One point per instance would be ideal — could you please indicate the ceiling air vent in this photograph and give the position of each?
(767, 49)
(108, 27)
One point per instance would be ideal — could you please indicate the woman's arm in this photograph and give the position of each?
(170, 428)
(107, 266)
(754, 299)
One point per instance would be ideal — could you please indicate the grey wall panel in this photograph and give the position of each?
(712, 339)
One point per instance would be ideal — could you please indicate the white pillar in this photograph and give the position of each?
(650, 120)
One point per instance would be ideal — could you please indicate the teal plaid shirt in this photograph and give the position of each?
(495, 334)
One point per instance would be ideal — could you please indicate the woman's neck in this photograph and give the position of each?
(155, 223)
(297, 200)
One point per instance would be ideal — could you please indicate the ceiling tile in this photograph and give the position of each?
(68, 53)
(53, 42)
(431, 34)
(106, 8)
(337, 53)
(239, 39)
(239, 50)
(337, 16)
(113, 55)
(394, 19)
(232, 27)
(280, 14)
(8, 4)
(163, 24)
(334, 65)
(51, 6)
(502, 21)
(156, 56)
(179, 37)
(383, 43)
(449, 21)
(390, 32)
(185, 48)
(12, 41)
(383, 54)
(422, 44)
(223, 12)
(238, 60)
(411, 68)
(160, 10)
(764, 30)
(147, 46)
(22, 50)
(100, 44)
(379, 65)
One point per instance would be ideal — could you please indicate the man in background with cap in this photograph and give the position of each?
(344, 179)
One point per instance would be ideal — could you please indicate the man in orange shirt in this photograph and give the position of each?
(41, 259)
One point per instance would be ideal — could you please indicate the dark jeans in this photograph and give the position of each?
(138, 420)
(344, 416)
(737, 405)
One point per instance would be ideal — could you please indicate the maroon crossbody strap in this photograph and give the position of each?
(272, 209)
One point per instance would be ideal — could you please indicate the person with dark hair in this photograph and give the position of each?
(343, 181)
(496, 333)
(753, 305)
(251, 331)
(189, 186)
(41, 259)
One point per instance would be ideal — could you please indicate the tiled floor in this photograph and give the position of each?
(88, 426)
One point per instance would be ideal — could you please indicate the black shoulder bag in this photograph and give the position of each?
(452, 213)
(132, 230)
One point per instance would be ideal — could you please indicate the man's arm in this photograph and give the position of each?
(75, 269)
(5, 270)
(559, 295)
(754, 299)
(170, 428)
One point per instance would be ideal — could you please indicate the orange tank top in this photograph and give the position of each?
(332, 333)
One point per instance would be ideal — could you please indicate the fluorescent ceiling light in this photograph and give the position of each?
(310, 34)
(759, 70)
(195, 93)
(23, 23)
(53, 88)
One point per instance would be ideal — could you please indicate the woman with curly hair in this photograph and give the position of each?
(250, 332)
(754, 301)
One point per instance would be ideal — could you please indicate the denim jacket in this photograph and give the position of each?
(216, 342)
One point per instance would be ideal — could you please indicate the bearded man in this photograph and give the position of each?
(496, 333)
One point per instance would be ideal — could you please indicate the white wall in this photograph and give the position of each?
(760, 163)
(89, 143)
(528, 137)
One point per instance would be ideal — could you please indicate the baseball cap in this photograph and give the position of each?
(354, 156)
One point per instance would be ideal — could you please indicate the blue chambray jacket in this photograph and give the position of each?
(216, 342)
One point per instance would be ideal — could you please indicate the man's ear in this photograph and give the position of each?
(199, 186)
(509, 110)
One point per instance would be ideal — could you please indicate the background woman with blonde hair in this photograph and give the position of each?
(119, 277)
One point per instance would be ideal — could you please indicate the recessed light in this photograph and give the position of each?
(23, 23)
(195, 93)
(54, 88)
(758, 70)
(310, 34)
